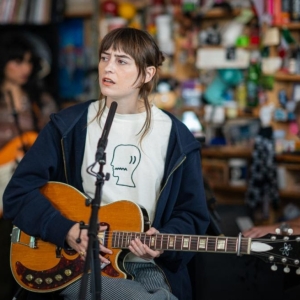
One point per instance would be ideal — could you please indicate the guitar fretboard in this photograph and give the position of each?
(175, 242)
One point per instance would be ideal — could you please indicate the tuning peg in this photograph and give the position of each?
(288, 231)
(274, 267)
(298, 271)
(286, 269)
(284, 229)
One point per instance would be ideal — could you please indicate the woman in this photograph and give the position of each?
(20, 70)
(154, 161)
(24, 109)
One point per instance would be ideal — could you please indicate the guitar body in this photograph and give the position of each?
(10, 154)
(13, 149)
(44, 267)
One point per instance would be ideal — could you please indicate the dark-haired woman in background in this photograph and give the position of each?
(24, 109)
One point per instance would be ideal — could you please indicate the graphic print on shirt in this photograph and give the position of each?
(125, 160)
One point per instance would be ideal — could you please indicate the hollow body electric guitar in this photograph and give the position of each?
(40, 266)
(10, 155)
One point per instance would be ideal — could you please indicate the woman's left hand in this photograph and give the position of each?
(143, 251)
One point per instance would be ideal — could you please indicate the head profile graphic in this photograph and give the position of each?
(125, 160)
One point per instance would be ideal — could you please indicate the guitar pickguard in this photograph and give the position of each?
(65, 271)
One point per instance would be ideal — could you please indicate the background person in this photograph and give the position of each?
(25, 107)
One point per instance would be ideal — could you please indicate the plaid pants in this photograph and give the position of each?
(149, 284)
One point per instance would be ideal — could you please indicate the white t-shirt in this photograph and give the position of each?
(136, 170)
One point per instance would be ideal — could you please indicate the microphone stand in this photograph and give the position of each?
(92, 260)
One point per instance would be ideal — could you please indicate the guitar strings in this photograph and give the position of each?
(122, 239)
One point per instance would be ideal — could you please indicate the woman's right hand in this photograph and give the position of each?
(82, 247)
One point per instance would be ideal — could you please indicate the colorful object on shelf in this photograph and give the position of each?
(237, 171)
(190, 119)
(241, 94)
(109, 8)
(280, 115)
(253, 81)
(71, 52)
(242, 41)
(295, 10)
(225, 79)
(188, 5)
(164, 97)
(126, 10)
(191, 91)
(265, 115)
(282, 98)
(287, 36)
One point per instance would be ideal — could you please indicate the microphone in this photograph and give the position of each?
(102, 143)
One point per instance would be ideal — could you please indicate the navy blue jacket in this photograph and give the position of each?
(57, 155)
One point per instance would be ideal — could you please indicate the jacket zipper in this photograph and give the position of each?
(179, 164)
(176, 167)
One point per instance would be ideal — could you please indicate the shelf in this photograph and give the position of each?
(290, 194)
(83, 15)
(228, 188)
(291, 26)
(216, 13)
(197, 110)
(282, 76)
(287, 158)
(226, 152)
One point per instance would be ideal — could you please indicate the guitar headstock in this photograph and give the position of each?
(278, 249)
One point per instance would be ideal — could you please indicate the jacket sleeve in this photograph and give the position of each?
(187, 211)
(23, 202)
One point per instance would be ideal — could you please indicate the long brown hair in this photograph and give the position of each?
(141, 46)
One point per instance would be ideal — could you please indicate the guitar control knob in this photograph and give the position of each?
(39, 280)
(274, 268)
(286, 269)
(68, 272)
(58, 277)
(298, 271)
(29, 277)
(49, 280)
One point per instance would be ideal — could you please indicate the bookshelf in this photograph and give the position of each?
(37, 12)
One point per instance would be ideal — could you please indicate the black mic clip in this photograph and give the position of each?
(100, 153)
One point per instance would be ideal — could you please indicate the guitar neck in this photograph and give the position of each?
(175, 242)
